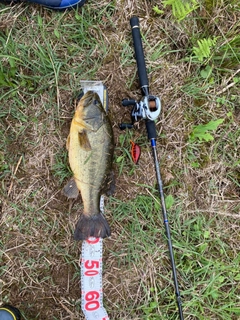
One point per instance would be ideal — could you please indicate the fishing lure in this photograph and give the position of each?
(135, 152)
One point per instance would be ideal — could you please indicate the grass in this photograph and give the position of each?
(44, 56)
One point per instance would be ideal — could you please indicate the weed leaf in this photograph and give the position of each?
(57, 34)
(205, 73)
(169, 200)
(157, 10)
(203, 50)
(201, 131)
(180, 8)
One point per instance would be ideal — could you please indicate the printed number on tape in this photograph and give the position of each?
(91, 278)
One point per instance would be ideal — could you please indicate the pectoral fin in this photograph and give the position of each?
(84, 141)
(71, 190)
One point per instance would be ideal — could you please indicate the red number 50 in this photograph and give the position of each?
(90, 264)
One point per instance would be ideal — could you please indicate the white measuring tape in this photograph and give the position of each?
(91, 277)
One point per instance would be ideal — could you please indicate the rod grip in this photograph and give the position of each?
(137, 42)
(151, 129)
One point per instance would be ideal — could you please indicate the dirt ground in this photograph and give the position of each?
(39, 259)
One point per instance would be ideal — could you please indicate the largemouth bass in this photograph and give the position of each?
(90, 150)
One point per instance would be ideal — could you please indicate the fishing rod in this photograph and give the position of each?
(149, 109)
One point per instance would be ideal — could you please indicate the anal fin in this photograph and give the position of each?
(110, 184)
(71, 190)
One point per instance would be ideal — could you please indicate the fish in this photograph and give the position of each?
(90, 146)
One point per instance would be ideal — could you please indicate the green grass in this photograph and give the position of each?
(207, 264)
(44, 55)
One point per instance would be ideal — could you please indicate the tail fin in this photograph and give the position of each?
(92, 226)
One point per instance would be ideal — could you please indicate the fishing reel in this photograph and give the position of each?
(148, 108)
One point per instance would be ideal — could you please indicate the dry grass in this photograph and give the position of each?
(39, 261)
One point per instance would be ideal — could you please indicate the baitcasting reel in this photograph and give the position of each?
(148, 108)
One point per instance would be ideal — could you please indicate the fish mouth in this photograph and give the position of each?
(89, 98)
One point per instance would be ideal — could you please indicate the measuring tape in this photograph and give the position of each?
(91, 277)
(91, 258)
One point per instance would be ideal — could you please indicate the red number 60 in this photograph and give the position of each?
(93, 303)
(92, 295)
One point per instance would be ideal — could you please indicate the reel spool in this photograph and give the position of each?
(148, 108)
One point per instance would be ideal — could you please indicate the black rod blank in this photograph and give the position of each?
(167, 228)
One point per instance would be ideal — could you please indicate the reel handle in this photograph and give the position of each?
(137, 42)
(124, 126)
(128, 102)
